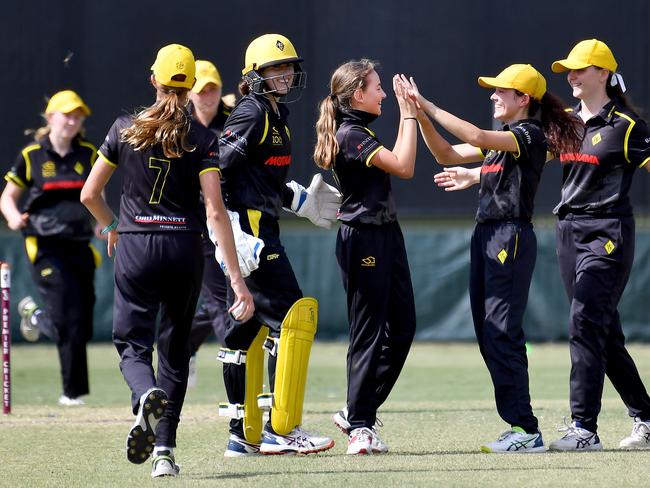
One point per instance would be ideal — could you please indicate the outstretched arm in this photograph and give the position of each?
(457, 178)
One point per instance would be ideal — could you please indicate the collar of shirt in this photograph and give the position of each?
(353, 116)
(47, 145)
(605, 114)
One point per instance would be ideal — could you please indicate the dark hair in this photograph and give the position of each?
(244, 88)
(564, 132)
(616, 93)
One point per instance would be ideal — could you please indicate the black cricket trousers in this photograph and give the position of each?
(381, 314)
(156, 273)
(64, 271)
(503, 257)
(596, 256)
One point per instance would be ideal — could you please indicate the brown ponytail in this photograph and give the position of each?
(564, 132)
(347, 78)
(166, 122)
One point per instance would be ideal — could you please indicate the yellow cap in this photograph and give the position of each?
(66, 101)
(521, 77)
(206, 72)
(174, 60)
(269, 50)
(590, 52)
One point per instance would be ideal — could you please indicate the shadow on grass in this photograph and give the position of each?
(239, 476)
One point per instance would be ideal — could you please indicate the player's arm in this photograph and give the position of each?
(219, 222)
(441, 149)
(92, 196)
(401, 160)
(9, 206)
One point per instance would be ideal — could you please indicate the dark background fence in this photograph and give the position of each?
(103, 49)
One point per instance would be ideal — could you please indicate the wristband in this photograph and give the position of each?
(109, 227)
(410, 118)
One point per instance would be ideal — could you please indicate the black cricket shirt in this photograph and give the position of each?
(366, 189)
(509, 180)
(53, 184)
(596, 181)
(255, 155)
(160, 194)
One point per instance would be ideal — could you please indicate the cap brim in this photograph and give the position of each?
(490, 82)
(201, 82)
(566, 65)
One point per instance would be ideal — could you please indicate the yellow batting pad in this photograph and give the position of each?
(254, 379)
(296, 337)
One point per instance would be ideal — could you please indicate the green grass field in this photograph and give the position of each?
(440, 411)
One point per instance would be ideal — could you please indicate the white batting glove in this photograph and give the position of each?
(249, 248)
(319, 202)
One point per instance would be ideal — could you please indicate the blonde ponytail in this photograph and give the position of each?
(326, 146)
(166, 122)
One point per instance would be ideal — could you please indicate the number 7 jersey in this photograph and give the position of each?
(160, 194)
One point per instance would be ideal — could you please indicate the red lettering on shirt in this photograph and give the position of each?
(63, 185)
(278, 161)
(579, 158)
(492, 168)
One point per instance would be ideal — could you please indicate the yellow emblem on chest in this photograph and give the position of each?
(79, 168)
(502, 256)
(596, 139)
(48, 170)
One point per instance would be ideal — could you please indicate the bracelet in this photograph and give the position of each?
(410, 118)
(109, 227)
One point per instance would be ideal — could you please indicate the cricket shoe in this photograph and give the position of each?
(66, 401)
(514, 441)
(238, 447)
(340, 419)
(142, 436)
(163, 464)
(576, 439)
(360, 441)
(298, 441)
(640, 437)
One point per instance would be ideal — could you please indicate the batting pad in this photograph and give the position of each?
(254, 383)
(296, 337)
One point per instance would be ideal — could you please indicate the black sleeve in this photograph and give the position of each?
(18, 172)
(109, 149)
(243, 130)
(209, 148)
(637, 148)
(360, 144)
(526, 136)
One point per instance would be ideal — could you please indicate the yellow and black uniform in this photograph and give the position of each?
(372, 257)
(595, 246)
(502, 255)
(212, 314)
(156, 265)
(57, 241)
(254, 157)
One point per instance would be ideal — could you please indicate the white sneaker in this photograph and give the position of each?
(516, 440)
(360, 441)
(66, 401)
(163, 464)
(340, 419)
(238, 447)
(640, 437)
(29, 331)
(192, 377)
(298, 441)
(576, 439)
(142, 436)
